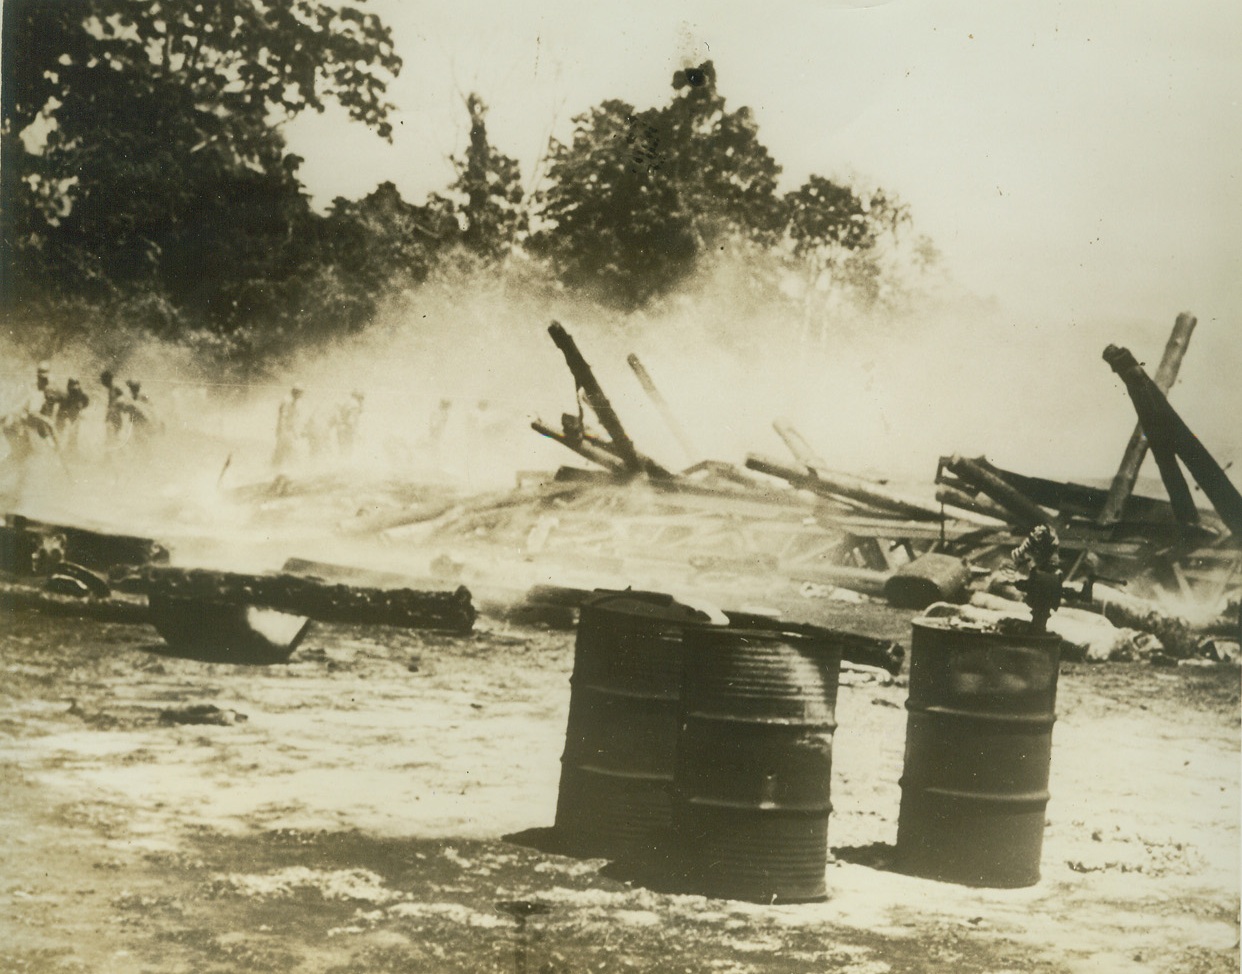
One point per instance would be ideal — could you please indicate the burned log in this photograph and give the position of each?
(1023, 512)
(404, 608)
(91, 547)
(1161, 423)
(1136, 450)
(585, 380)
(933, 577)
(115, 608)
(839, 486)
(650, 467)
(976, 504)
(588, 451)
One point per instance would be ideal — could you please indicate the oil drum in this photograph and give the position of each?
(621, 737)
(754, 761)
(974, 787)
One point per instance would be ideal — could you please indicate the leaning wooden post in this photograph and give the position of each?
(1136, 450)
(649, 386)
(595, 397)
(1162, 421)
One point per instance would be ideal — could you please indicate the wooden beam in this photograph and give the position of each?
(1136, 450)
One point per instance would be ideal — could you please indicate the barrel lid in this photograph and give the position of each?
(655, 605)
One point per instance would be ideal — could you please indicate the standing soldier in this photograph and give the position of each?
(345, 422)
(47, 398)
(142, 413)
(288, 428)
(68, 414)
(38, 415)
(116, 412)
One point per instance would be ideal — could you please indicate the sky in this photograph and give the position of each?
(1076, 163)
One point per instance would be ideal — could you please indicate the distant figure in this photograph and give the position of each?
(47, 398)
(288, 428)
(22, 428)
(42, 377)
(143, 417)
(37, 414)
(116, 413)
(16, 432)
(68, 415)
(487, 423)
(439, 421)
(345, 422)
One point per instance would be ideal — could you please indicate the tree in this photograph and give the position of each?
(372, 247)
(491, 183)
(833, 235)
(637, 198)
(160, 167)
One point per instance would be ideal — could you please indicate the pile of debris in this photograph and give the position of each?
(775, 523)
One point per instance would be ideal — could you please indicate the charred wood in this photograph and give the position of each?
(599, 403)
(839, 487)
(450, 611)
(1023, 512)
(1163, 423)
(1136, 450)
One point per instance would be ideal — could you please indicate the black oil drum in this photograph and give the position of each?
(754, 761)
(974, 788)
(621, 738)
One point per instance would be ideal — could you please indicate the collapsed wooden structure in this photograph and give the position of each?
(857, 533)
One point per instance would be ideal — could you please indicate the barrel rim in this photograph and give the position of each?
(934, 624)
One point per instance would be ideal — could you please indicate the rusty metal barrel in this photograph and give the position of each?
(621, 737)
(974, 787)
(754, 761)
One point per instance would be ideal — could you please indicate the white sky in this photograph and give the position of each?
(1076, 161)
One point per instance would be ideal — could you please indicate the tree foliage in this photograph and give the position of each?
(145, 176)
(636, 198)
(160, 166)
(636, 202)
(494, 212)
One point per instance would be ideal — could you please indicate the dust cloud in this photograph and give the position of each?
(454, 372)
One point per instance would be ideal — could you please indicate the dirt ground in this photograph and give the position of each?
(386, 790)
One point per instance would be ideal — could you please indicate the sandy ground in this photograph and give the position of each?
(387, 789)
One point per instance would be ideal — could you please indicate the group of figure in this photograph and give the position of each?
(52, 414)
(300, 433)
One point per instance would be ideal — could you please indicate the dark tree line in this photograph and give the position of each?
(146, 181)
